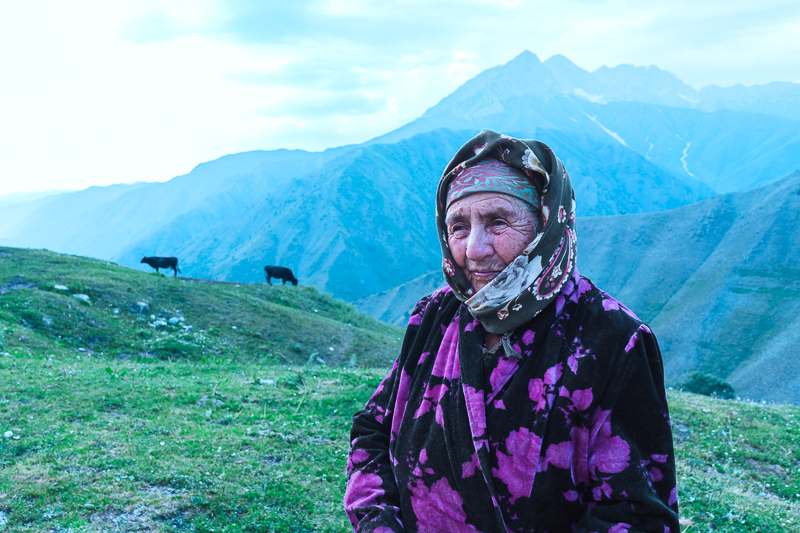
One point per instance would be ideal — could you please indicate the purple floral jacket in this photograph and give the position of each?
(572, 436)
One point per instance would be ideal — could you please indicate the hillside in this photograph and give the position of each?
(50, 301)
(111, 424)
(718, 281)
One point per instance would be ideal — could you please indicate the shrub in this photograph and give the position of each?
(708, 385)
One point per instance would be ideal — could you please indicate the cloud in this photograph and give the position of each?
(317, 106)
(104, 92)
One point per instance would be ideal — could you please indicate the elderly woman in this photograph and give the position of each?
(524, 397)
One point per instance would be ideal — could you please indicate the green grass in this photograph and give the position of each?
(119, 426)
(738, 464)
(174, 446)
(219, 320)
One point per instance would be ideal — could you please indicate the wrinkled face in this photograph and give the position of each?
(485, 232)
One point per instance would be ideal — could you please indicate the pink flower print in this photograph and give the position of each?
(572, 360)
(448, 267)
(603, 490)
(553, 374)
(468, 468)
(631, 342)
(363, 490)
(446, 362)
(610, 304)
(439, 509)
(558, 455)
(517, 466)
(656, 474)
(622, 527)
(359, 456)
(431, 398)
(536, 392)
(479, 148)
(581, 399)
(402, 400)
(607, 454)
(528, 336)
(476, 410)
(502, 314)
(562, 214)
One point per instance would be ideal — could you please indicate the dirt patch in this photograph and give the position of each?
(764, 468)
(163, 492)
(680, 431)
(16, 286)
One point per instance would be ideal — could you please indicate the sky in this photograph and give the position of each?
(94, 92)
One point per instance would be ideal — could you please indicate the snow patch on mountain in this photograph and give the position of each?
(613, 134)
(683, 159)
(593, 98)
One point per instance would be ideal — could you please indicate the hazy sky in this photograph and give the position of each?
(95, 92)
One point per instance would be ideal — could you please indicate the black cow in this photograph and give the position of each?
(280, 273)
(163, 262)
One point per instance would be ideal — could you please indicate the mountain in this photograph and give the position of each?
(356, 220)
(718, 281)
(369, 223)
(722, 139)
(107, 222)
(353, 222)
(721, 283)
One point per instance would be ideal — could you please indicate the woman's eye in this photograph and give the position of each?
(456, 228)
(499, 223)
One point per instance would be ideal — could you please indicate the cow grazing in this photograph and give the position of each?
(280, 273)
(163, 262)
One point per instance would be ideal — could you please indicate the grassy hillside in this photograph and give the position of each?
(109, 424)
(127, 313)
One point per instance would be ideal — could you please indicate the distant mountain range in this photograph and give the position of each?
(728, 138)
(644, 150)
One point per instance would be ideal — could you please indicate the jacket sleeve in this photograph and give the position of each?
(631, 461)
(372, 500)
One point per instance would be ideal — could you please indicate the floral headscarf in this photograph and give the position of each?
(530, 282)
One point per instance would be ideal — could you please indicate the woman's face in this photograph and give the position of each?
(485, 232)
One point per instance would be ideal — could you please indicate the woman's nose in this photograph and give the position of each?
(479, 245)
